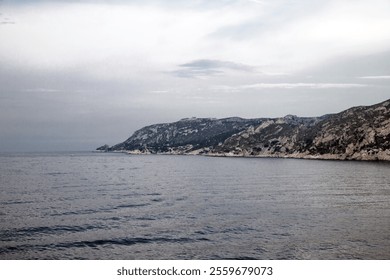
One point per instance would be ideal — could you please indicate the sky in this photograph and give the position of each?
(75, 75)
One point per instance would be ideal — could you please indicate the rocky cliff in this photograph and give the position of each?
(359, 133)
(193, 135)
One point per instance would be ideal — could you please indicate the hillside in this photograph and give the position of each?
(359, 133)
(193, 135)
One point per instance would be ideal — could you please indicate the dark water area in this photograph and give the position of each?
(118, 206)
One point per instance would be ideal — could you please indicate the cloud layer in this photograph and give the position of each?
(206, 67)
(88, 72)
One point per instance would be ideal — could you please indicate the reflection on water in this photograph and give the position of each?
(115, 206)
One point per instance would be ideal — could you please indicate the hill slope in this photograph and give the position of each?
(195, 135)
(359, 133)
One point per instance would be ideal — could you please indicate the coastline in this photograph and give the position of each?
(382, 156)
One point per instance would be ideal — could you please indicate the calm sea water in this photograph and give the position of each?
(116, 206)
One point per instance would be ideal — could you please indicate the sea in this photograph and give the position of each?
(87, 205)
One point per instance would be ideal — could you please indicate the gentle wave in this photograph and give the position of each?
(99, 243)
(99, 210)
(7, 235)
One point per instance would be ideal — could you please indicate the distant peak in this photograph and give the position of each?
(290, 117)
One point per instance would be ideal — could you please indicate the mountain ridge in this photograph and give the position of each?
(357, 133)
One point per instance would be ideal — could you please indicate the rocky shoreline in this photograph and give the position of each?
(382, 156)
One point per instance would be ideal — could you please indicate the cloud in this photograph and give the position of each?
(376, 77)
(292, 86)
(292, 35)
(208, 67)
(257, 1)
(287, 36)
(209, 64)
(4, 19)
(48, 90)
(159, 91)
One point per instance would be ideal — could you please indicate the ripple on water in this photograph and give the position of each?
(94, 206)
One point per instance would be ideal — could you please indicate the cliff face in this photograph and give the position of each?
(195, 135)
(359, 133)
(274, 137)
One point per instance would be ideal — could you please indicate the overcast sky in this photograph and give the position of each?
(78, 74)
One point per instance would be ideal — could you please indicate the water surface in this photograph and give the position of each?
(116, 206)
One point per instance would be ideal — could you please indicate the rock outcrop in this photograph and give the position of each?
(359, 133)
(103, 148)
